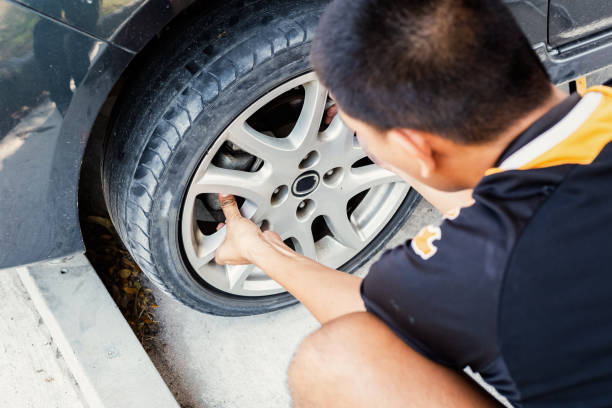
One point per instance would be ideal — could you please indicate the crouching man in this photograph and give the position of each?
(516, 282)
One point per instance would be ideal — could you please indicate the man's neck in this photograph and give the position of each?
(485, 156)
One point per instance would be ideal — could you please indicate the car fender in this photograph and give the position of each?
(46, 127)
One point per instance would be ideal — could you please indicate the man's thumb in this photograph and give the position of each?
(229, 206)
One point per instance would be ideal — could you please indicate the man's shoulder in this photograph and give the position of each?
(467, 252)
(488, 228)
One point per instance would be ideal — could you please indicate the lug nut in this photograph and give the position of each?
(310, 160)
(333, 177)
(305, 210)
(279, 195)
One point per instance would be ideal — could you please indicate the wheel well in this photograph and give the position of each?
(91, 197)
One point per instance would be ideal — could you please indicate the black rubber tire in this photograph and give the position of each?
(173, 112)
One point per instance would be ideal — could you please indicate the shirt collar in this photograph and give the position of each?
(541, 125)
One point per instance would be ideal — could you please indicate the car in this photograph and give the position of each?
(146, 109)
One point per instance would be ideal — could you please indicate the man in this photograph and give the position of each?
(516, 284)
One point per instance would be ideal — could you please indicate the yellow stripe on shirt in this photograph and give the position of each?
(579, 147)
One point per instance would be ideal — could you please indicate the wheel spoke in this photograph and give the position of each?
(363, 178)
(265, 147)
(342, 228)
(203, 260)
(307, 126)
(237, 274)
(354, 151)
(251, 186)
(204, 247)
(342, 143)
(306, 243)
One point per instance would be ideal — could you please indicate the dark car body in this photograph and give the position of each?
(60, 60)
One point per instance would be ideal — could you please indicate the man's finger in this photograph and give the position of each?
(330, 113)
(229, 206)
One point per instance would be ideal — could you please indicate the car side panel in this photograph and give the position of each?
(572, 20)
(531, 16)
(578, 59)
(98, 18)
(106, 20)
(148, 21)
(53, 81)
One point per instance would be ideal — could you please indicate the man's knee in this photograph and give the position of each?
(335, 362)
(356, 360)
(330, 350)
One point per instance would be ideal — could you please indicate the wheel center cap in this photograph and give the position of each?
(305, 184)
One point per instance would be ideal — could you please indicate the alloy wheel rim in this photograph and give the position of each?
(310, 176)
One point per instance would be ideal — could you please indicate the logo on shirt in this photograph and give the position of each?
(452, 214)
(422, 243)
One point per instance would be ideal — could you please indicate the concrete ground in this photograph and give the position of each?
(33, 373)
(211, 361)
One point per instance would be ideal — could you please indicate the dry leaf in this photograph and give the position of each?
(105, 222)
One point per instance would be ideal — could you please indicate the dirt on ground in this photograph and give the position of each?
(122, 277)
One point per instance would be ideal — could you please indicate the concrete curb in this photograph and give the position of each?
(106, 359)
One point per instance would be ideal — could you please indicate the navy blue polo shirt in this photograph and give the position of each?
(518, 286)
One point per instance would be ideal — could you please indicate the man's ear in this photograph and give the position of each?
(416, 144)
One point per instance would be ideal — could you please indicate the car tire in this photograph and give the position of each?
(171, 114)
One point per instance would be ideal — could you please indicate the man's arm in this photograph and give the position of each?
(326, 292)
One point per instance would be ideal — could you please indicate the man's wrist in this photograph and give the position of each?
(265, 250)
(257, 250)
(260, 250)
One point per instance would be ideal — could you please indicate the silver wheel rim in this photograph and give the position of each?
(275, 196)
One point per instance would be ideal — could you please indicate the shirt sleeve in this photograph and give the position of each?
(438, 292)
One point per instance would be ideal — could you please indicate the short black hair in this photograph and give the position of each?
(462, 69)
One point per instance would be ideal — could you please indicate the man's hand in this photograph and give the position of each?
(243, 235)
(327, 293)
(330, 113)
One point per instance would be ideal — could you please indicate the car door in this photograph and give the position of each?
(572, 20)
(531, 15)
